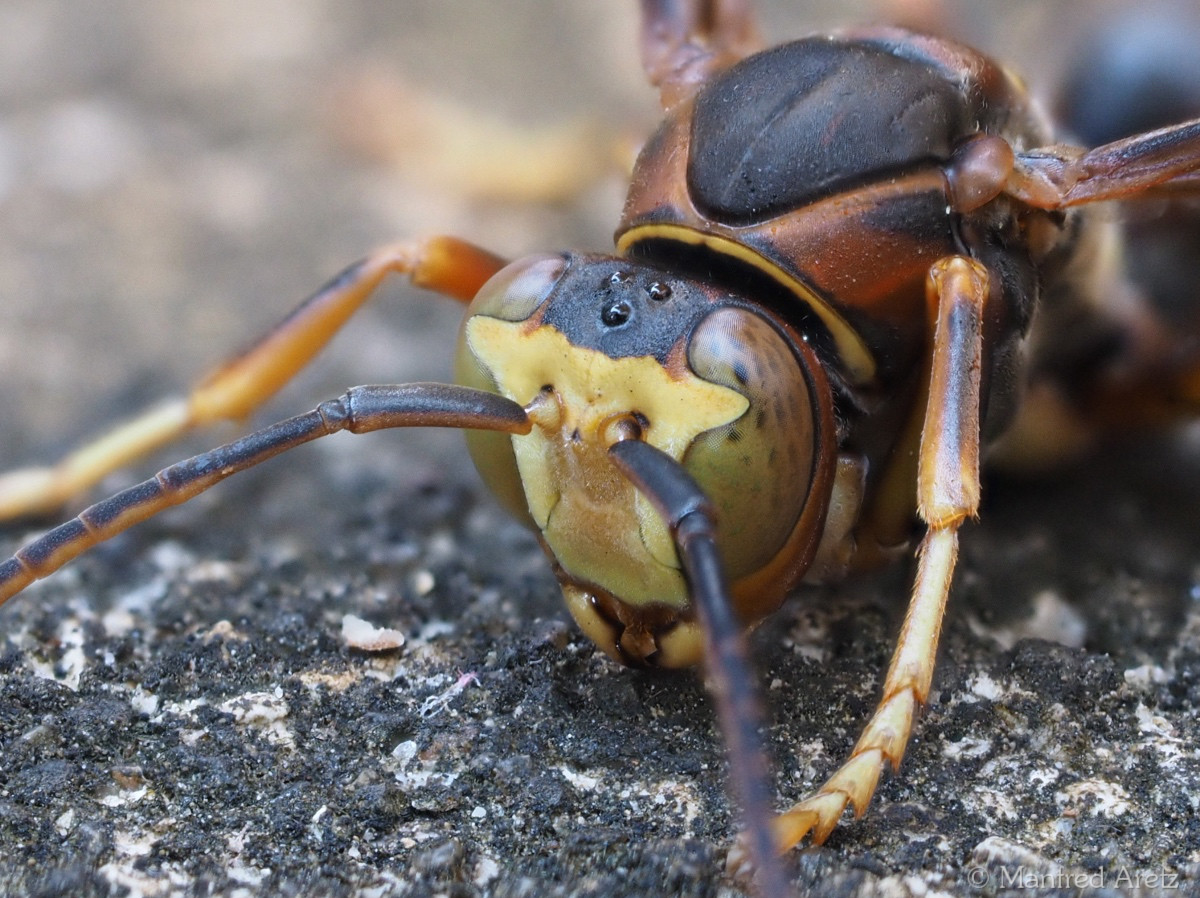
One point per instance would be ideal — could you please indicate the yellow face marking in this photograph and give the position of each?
(600, 528)
(860, 363)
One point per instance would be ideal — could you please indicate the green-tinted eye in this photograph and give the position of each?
(513, 294)
(515, 291)
(758, 470)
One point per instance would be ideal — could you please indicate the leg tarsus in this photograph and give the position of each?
(29, 492)
(886, 735)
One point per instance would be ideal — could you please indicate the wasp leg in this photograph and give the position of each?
(234, 390)
(686, 42)
(1148, 374)
(689, 515)
(1162, 161)
(947, 494)
(359, 410)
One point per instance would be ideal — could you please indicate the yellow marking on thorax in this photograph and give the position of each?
(859, 361)
(601, 529)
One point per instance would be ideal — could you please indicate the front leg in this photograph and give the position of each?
(243, 383)
(947, 494)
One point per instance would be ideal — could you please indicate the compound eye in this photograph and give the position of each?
(514, 293)
(759, 469)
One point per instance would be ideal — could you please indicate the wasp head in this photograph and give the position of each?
(601, 349)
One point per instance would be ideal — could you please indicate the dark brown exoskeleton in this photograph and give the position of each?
(820, 309)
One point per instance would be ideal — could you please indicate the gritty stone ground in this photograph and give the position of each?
(180, 713)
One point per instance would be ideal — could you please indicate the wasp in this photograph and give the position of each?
(822, 307)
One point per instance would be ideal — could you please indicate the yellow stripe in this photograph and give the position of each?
(859, 362)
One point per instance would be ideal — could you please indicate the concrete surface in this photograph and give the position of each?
(179, 713)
